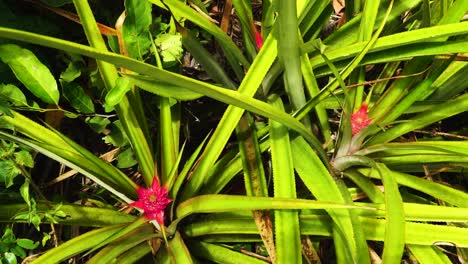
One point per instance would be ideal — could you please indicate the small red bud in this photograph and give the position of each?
(258, 40)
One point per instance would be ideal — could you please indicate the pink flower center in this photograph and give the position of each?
(360, 119)
(153, 201)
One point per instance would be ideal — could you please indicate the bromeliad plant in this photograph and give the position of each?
(389, 71)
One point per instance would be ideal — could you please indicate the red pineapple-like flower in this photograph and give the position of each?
(153, 201)
(360, 119)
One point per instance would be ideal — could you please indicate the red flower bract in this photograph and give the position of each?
(153, 201)
(258, 40)
(360, 119)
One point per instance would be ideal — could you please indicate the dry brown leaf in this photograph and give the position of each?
(338, 6)
(265, 228)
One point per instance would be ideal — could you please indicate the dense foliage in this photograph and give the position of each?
(233, 131)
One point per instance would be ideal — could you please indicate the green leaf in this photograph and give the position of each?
(432, 115)
(289, 53)
(77, 97)
(8, 172)
(170, 46)
(60, 214)
(115, 250)
(7, 148)
(221, 254)
(434, 189)
(395, 219)
(36, 221)
(233, 53)
(135, 229)
(24, 191)
(135, 29)
(45, 237)
(325, 187)
(113, 43)
(18, 251)
(208, 62)
(227, 203)
(451, 82)
(68, 152)
(168, 137)
(115, 95)
(97, 123)
(4, 110)
(27, 243)
(313, 89)
(398, 40)
(429, 254)
(13, 94)
(249, 151)
(76, 245)
(126, 159)
(48, 217)
(3, 247)
(116, 136)
(24, 158)
(76, 215)
(97, 84)
(23, 216)
(179, 252)
(321, 225)
(455, 148)
(8, 236)
(134, 254)
(419, 212)
(175, 184)
(349, 32)
(31, 72)
(161, 88)
(72, 71)
(287, 231)
(9, 258)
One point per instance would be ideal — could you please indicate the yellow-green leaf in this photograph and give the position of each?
(31, 72)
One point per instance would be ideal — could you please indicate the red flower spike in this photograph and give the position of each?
(153, 201)
(258, 40)
(360, 119)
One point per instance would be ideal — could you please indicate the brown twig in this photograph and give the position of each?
(386, 79)
(226, 19)
(436, 133)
